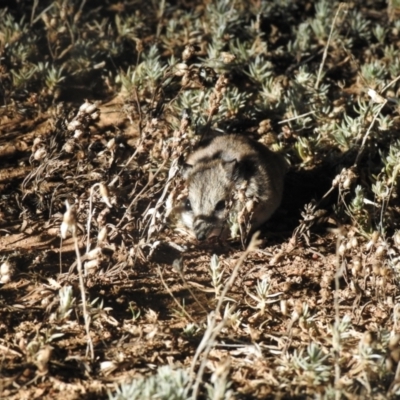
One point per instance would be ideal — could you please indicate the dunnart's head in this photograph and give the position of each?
(210, 186)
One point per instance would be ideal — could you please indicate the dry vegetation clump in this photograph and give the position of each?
(103, 295)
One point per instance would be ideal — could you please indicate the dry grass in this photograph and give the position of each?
(100, 105)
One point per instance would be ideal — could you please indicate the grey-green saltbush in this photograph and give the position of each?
(166, 384)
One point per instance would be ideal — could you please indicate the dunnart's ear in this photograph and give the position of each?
(185, 170)
(231, 168)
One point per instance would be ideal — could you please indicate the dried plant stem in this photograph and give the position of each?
(341, 5)
(34, 6)
(390, 83)
(90, 217)
(171, 175)
(127, 163)
(336, 332)
(172, 295)
(47, 9)
(83, 296)
(160, 15)
(360, 151)
(191, 291)
(61, 240)
(141, 192)
(213, 329)
(79, 12)
(296, 117)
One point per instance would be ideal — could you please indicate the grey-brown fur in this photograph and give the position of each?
(216, 170)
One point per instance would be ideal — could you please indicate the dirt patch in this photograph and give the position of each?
(100, 103)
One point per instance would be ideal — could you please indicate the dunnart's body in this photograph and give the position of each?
(225, 165)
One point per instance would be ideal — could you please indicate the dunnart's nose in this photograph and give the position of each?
(200, 228)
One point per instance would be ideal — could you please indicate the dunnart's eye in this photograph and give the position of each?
(188, 206)
(220, 205)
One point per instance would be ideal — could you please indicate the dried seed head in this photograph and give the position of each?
(180, 69)
(284, 307)
(111, 145)
(342, 249)
(78, 133)
(326, 279)
(356, 267)
(43, 358)
(83, 107)
(105, 194)
(336, 181)
(227, 58)
(375, 97)
(376, 267)
(368, 339)
(36, 142)
(347, 183)
(87, 108)
(45, 301)
(92, 266)
(353, 242)
(69, 146)
(93, 254)
(7, 270)
(188, 52)
(347, 177)
(155, 154)
(69, 221)
(139, 45)
(380, 252)
(80, 155)
(296, 314)
(221, 83)
(276, 258)
(40, 154)
(74, 124)
(95, 115)
(185, 121)
(372, 242)
(102, 235)
(5, 278)
(107, 367)
(165, 153)
(396, 238)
